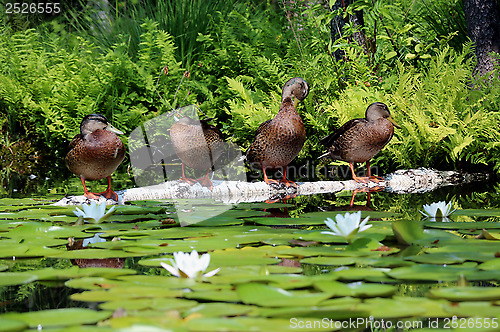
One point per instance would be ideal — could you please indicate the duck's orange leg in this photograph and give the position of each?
(376, 179)
(355, 178)
(87, 193)
(109, 194)
(266, 179)
(368, 196)
(205, 181)
(354, 192)
(287, 182)
(184, 178)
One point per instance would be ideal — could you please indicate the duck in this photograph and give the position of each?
(359, 140)
(198, 145)
(95, 153)
(279, 140)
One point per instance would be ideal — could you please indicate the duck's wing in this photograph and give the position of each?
(329, 140)
(77, 139)
(208, 128)
(262, 126)
(254, 146)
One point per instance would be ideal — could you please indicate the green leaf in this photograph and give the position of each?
(407, 232)
(59, 317)
(10, 325)
(390, 55)
(160, 304)
(16, 278)
(337, 261)
(490, 235)
(458, 294)
(267, 296)
(472, 310)
(356, 289)
(218, 310)
(425, 272)
(491, 265)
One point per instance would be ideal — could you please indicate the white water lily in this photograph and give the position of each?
(94, 213)
(185, 265)
(95, 239)
(347, 225)
(440, 210)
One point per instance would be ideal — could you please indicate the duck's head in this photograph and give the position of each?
(295, 88)
(379, 110)
(92, 122)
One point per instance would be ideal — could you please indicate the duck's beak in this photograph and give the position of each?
(113, 129)
(394, 122)
(296, 101)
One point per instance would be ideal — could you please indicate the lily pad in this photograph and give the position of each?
(336, 261)
(478, 225)
(245, 256)
(267, 296)
(115, 294)
(490, 235)
(224, 295)
(355, 289)
(38, 229)
(218, 310)
(449, 257)
(478, 212)
(324, 250)
(458, 294)
(443, 258)
(426, 272)
(347, 273)
(389, 308)
(256, 324)
(492, 265)
(59, 317)
(339, 311)
(473, 309)
(10, 325)
(16, 278)
(407, 232)
(330, 214)
(277, 221)
(94, 254)
(12, 250)
(76, 272)
(160, 304)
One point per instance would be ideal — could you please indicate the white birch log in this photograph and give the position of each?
(402, 181)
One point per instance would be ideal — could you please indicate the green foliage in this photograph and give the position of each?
(442, 122)
(238, 58)
(183, 20)
(248, 111)
(427, 87)
(50, 81)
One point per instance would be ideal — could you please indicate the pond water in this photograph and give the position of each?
(277, 270)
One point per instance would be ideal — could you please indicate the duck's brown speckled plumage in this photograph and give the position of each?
(95, 153)
(279, 140)
(359, 140)
(197, 144)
